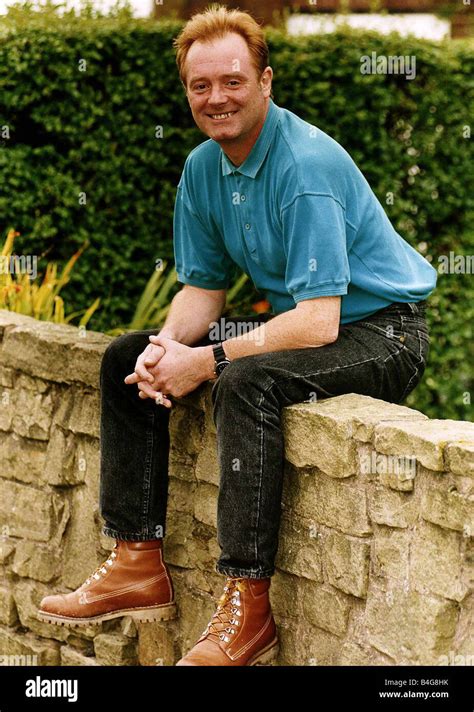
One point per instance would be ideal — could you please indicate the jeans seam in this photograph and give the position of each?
(128, 536)
(261, 466)
(328, 370)
(235, 572)
(420, 360)
(147, 471)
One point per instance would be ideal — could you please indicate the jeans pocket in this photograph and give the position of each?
(417, 338)
(389, 326)
(417, 348)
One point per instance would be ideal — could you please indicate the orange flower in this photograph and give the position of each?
(261, 306)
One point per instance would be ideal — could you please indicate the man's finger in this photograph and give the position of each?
(154, 354)
(158, 340)
(148, 389)
(131, 378)
(140, 374)
(135, 378)
(165, 400)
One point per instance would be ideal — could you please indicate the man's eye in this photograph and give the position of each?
(199, 87)
(234, 82)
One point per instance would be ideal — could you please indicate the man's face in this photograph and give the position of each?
(228, 98)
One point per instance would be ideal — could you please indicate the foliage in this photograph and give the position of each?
(95, 129)
(21, 294)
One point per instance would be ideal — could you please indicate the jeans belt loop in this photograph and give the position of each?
(413, 308)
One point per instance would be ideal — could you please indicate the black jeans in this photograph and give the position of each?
(383, 356)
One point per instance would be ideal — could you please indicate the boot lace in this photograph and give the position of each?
(225, 620)
(102, 569)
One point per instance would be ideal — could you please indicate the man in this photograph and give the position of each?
(283, 200)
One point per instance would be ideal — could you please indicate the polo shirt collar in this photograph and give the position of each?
(254, 160)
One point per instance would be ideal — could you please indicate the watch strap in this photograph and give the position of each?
(219, 353)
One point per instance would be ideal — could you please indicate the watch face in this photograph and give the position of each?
(220, 366)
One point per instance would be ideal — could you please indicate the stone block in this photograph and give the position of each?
(390, 557)
(436, 562)
(7, 377)
(32, 414)
(71, 657)
(426, 440)
(179, 540)
(314, 439)
(7, 408)
(58, 352)
(181, 495)
(59, 467)
(286, 597)
(394, 471)
(157, 643)
(7, 549)
(115, 649)
(81, 543)
(205, 504)
(41, 562)
(326, 607)
(322, 434)
(85, 414)
(300, 547)
(22, 459)
(459, 458)
(32, 513)
(28, 595)
(8, 612)
(338, 504)
(346, 563)
(25, 649)
(207, 462)
(392, 508)
(444, 505)
(410, 627)
(186, 432)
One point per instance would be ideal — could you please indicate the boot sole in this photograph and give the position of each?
(267, 655)
(151, 614)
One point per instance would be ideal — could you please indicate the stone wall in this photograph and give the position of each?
(376, 552)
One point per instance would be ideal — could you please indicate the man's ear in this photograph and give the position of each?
(266, 80)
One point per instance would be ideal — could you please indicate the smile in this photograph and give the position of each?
(220, 117)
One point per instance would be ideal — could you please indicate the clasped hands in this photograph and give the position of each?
(169, 367)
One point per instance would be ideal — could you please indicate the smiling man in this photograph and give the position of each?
(278, 197)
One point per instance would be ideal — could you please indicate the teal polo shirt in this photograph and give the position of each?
(299, 218)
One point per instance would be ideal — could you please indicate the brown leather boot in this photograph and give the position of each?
(242, 631)
(134, 581)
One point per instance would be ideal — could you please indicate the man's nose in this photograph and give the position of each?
(218, 95)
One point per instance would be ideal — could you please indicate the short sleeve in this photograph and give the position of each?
(314, 233)
(200, 255)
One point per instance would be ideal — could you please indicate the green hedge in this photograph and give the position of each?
(93, 132)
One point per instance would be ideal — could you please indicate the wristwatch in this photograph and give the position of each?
(220, 359)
